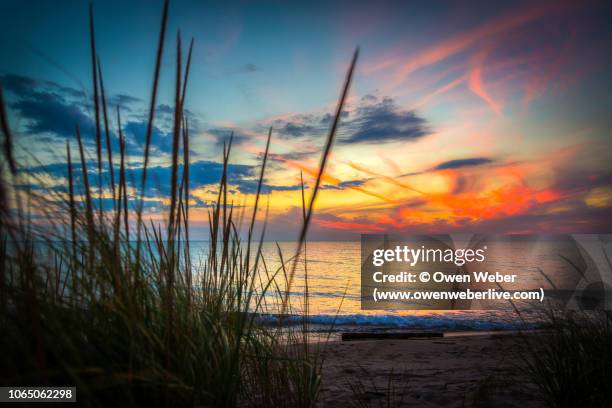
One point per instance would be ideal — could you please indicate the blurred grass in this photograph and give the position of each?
(129, 318)
(570, 360)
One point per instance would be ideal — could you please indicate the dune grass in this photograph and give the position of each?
(116, 306)
(570, 360)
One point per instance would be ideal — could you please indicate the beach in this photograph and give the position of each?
(306, 204)
(462, 369)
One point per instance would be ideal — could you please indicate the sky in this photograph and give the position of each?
(462, 116)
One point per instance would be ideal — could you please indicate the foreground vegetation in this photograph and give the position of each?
(103, 300)
(570, 360)
(114, 305)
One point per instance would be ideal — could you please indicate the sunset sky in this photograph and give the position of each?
(463, 116)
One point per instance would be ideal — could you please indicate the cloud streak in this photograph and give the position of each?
(461, 42)
(476, 82)
(459, 163)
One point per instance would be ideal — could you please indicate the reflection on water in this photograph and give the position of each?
(334, 288)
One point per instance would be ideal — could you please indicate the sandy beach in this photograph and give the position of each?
(453, 371)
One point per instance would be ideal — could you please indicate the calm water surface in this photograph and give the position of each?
(334, 288)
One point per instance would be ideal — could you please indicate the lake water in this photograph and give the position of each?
(334, 287)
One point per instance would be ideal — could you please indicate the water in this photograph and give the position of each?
(335, 295)
(334, 287)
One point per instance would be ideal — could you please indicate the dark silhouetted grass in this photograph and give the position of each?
(139, 322)
(570, 361)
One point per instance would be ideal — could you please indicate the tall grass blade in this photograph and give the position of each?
(73, 214)
(8, 136)
(96, 103)
(88, 203)
(325, 155)
(149, 132)
(109, 147)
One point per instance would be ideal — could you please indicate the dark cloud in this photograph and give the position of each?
(123, 100)
(222, 136)
(369, 98)
(201, 173)
(569, 222)
(164, 114)
(250, 68)
(149, 205)
(22, 86)
(575, 180)
(459, 163)
(344, 185)
(136, 133)
(296, 129)
(298, 126)
(165, 109)
(250, 187)
(50, 113)
(17, 84)
(383, 121)
(247, 68)
(47, 107)
(327, 118)
(52, 110)
(352, 183)
(199, 203)
(374, 120)
(454, 164)
(295, 156)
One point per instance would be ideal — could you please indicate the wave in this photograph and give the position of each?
(394, 321)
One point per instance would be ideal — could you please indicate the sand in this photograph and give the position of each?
(453, 371)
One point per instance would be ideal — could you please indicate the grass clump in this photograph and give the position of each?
(104, 301)
(570, 360)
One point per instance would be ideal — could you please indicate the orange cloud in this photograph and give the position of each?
(472, 195)
(384, 177)
(476, 84)
(504, 201)
(404, 65)
(347, 225)
(329, 179)
(442, 90)
(459, 43)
